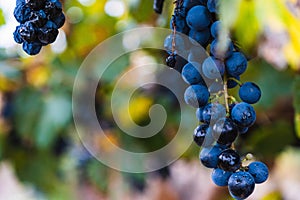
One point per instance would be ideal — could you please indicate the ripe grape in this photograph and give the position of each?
(229, 160)
(225, 131)
(196, 95)
(191, 75)
(220, 177)
(259, 171)
(250, 92)
(243, 114)
(241, 185)
(236, 64)
(196, 13)
(209, 156)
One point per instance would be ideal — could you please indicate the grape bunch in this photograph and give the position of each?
(222, 118)
(39, 23)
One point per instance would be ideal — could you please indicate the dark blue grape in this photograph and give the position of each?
(229, 160)
(191, 75)
(22, 12)
(250, 93)
(203, 136)
(17, 36)
(212, 6)
(179, 43)
(213, 68)
(213, 112)
(53, 8)
(220, 177)
(241, 185)
(215, 51)
(243, 114)
(196, 13)
(171, 61)
(59, 20)
(209, 156)
(259, 171)
(201, 37)
(236, 64)
(47, 35)
(215, 29)
(32, 48)
(28, 32)
(196, 95)
(225, 131)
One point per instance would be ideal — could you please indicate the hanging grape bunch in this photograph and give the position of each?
(39, 23)
(222, 118)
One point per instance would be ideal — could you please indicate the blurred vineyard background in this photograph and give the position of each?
(41, 154)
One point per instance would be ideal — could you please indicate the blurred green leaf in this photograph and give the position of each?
(2, 19)
(55, 115)
(270, 140)
(297, 104)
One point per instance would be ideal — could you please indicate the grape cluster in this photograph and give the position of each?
(222, 117)
(39, 23)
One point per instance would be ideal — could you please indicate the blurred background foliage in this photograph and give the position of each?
(37, 135)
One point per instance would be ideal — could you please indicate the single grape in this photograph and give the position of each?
(216, 51)
(32, 48)
(201, 37)
(202, 136)
(47, 35)
(250, 93)
(236, 64)
(220, 177)
(225, 131)
(212, 6)
(259, 171)
(22, 12)
(241, 185)
(196, 13)
(28, 32)
(215, 29)
(171, 61)
(213, 68)
(59, 20)
(213, 112)
(17, 36)
(53, 8)
(191, 75)
(209, 156)
(243, 114)
(196, 95)
(229, 160)
(179, 43)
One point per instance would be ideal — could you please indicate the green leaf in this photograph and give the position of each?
(56, 113)
(2, 19)
(297, 104)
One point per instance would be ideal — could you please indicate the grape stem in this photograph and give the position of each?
(236, 80)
